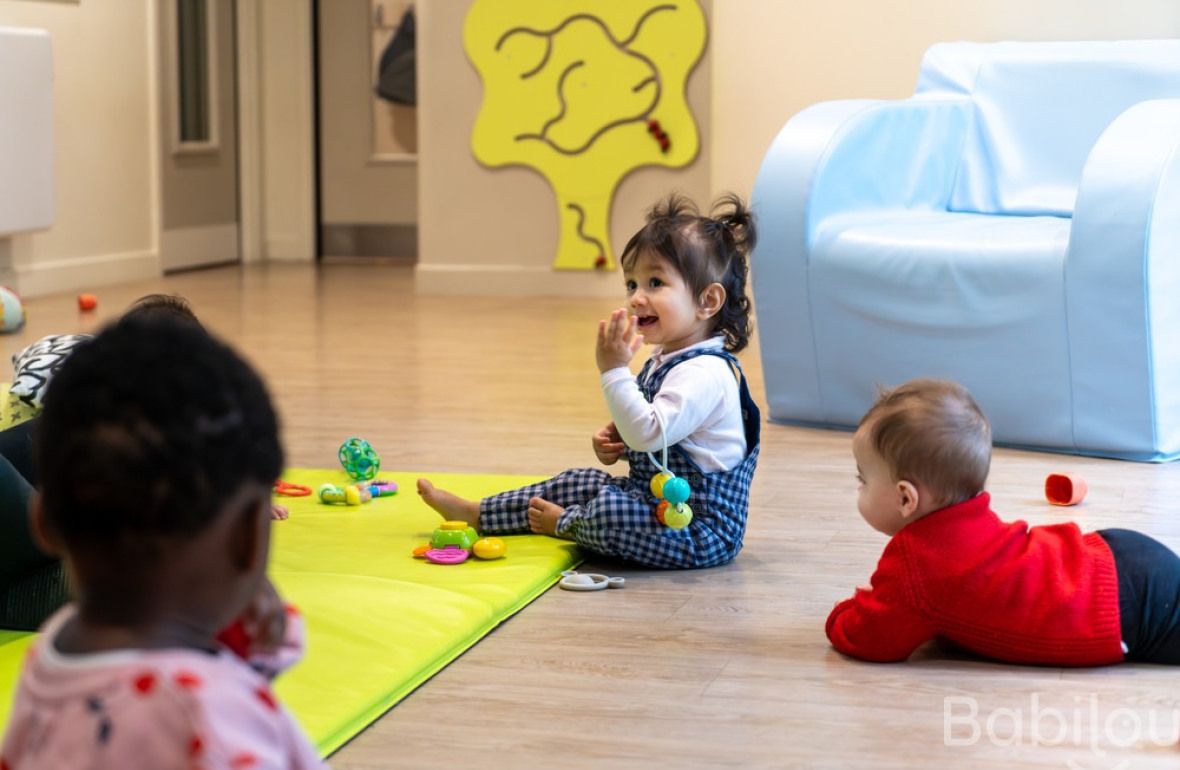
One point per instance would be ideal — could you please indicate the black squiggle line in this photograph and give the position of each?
(544, 60)
(548, 34)
(581, 233)
(639, 24)
(561, 96)
(614, 124)
(635, 89)
(588, 17)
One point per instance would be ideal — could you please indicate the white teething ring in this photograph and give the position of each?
(572, 580)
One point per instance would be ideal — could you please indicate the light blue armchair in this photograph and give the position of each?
(1014, 226)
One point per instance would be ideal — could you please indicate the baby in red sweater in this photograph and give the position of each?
(1049, 595)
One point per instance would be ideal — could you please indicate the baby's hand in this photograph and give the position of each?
(618, 341)
(608, 444)
(265, 620)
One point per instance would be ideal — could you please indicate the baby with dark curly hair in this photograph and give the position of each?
(159, 446)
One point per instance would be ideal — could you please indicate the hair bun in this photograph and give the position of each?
(737, 218)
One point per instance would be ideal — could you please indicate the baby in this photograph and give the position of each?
(1049, 595)
(159, 446)
(685, 277)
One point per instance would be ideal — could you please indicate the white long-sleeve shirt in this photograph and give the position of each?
(698, 403)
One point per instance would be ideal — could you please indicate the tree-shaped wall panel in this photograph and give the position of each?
(584, 92)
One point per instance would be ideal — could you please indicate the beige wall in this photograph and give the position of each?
(495, 230)
(355, 188)
(104, 228)
(767, 59)
(773, 58)
(287, 150)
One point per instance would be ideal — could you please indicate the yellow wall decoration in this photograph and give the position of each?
(584, 91)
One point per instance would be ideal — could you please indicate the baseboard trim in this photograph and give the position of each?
(515, 281)
(360, 240)
(288, 249)
(85, 273)
(188, 247)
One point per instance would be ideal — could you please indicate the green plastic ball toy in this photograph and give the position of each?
(359, 459)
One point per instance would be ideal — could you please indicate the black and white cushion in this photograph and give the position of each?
(36, 365)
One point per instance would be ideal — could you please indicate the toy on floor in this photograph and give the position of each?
(381, 488)
(1065, 488)
(674, 511)
(488, 548)
(356, 494)
(572, 580)
(87, 302)
(287, 489)
(349, 494)
(454, 541)
(359, 459)
(12, 310)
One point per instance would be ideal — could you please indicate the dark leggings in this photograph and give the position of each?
(32, 582)
(16, 446)
(1149, 595)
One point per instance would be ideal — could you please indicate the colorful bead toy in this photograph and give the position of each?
(673, 511)
(382, 488)
(353, 494)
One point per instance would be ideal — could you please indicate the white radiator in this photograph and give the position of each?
(26, 130)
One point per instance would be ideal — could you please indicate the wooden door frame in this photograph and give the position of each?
(276, 145)
(246, 40)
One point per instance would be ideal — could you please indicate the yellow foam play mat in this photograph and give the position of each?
(379, 622)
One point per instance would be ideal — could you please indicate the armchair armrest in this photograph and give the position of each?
(838, 157)
(1122, 281)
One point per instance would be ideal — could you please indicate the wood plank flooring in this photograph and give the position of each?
(726, 667)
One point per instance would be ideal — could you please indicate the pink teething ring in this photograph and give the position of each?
(451, 554)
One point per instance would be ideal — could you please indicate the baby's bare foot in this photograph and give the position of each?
(543, 516)
(452, 507)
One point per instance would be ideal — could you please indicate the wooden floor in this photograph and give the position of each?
(725, 667)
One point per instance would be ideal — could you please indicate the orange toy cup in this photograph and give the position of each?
(1065, 488)
(87, 302)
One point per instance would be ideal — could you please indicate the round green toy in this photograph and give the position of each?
(359, 459)
(12, 310)
(458, 533)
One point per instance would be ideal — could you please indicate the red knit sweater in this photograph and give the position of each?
(1046, 595)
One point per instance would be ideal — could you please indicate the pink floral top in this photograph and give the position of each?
(176, 709)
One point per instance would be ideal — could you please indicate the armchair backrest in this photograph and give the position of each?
(1039, 108)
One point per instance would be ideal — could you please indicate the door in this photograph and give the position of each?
(368, 175)
(198, 167)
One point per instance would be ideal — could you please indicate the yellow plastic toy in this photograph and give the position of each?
(453, 541)
(584, 92)
(489, 548)
(351, 494)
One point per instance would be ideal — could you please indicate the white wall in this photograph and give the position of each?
(773, 58)
(104, 228)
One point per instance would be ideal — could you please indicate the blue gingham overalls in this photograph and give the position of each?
(615, 516)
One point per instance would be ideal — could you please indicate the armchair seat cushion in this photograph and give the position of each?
(944, 294)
